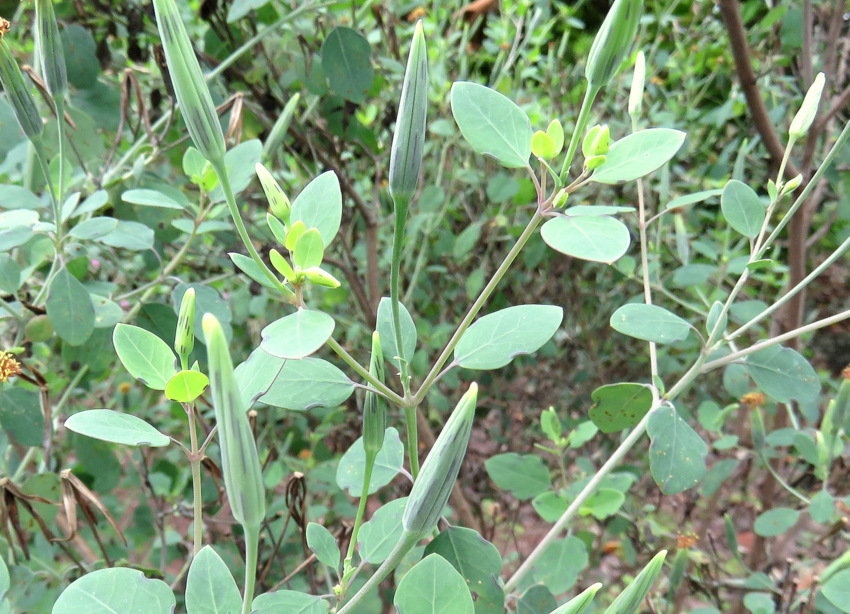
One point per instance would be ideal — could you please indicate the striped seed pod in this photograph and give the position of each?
(50, 51)
(184, 337)
(612, 42)
(409, 135)
(240, 462)
(432, 487)
(19, 94)
(190, 88)
(375, 407)
(280, 126)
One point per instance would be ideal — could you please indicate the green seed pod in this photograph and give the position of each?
(409, 136)
(240, 463)
(808, 110)
(278, 201)
(50, 51)
(612, 42)
(190, 88)
(184, 337)
(19, 94)
(375, 407)
(432, 487)
(638, 80)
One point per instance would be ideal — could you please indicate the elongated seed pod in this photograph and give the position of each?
(240, 463)
(374, 406)
(19, 94)
(184, 337)
(190, 88)
(636, 91)
(432, 487)
(409, 135)
(612, 42)
(50, 51)
(280, 127)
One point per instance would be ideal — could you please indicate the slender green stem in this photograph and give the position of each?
(405, 543)
(730, 358)
(364, 373)
(412, 438)
(477, 305)
(644, 265)
(401, 207)
(28, 456)
(195, 462)
(578, 132)
(224, 181)
(252, 545)
(839, 251)
(358, 521)
(782, 481)
(60, 192)
(810, 185)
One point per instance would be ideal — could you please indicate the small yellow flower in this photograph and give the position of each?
(9, 367)
(753, 399)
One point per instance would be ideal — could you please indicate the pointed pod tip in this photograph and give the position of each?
(209, 324)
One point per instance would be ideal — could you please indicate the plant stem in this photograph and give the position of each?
(364, 373)
(578, 131)
(195, 463)
(358, 520)
(412, 438)
(405, 543)
(252, 544)
(224, 180)
(59, 101)
(477, 305)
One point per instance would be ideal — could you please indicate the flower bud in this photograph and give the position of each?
(374, 406)
(18, 94)
(184, 337)
(409, 135)
(612, 42)
(596, 141)
(278, 202)
(432, 487)
(190, 88)
(50, 51)
(808, 110)
(240, 463)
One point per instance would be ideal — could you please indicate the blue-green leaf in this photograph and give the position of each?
(113, 591)
(115, 427)
(319, 206)
(210, 588)
(70, 308)
(650, 323)
(742, 208)
(597, 238)
(297, 335)
(433, 585)
(638, 154)
(783, 374)
(677, 453)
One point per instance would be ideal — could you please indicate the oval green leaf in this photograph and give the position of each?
(352, 465)
(346, 64)
(594, 238)
(638, 154)
(650, 323)
(70, 308)
(186, 386)
(304, 384)
(477, 561)
(433, 585)
(524, 476)
(493, 341)
(323, 544)
(620, 406)
(378, 537)
(309, 250)
(119, 589)
(289, 601)
(210, 587)
(776, 521)
(21, 416)
(319, 206)
(150, 198)
(677, 453)
(147, 357)
(492, 124)
(386, 330)
(742, 208)
(255, 375)
(115, 427)
(783, 374)
(297, 335)
(560, 565)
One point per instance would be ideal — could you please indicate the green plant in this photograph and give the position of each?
(689, 332)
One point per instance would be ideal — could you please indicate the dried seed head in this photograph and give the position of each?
(5, 26)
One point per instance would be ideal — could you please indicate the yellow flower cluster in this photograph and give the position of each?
(9, 367)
